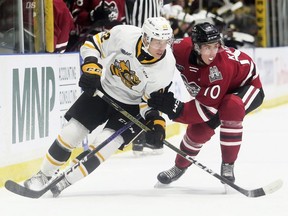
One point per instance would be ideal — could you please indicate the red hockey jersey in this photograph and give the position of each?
(230, 70)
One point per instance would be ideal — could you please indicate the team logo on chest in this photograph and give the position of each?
(215, 74)
(191, 87)
(122, 69)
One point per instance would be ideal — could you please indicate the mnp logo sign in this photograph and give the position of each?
(36, 92)
(33, 98)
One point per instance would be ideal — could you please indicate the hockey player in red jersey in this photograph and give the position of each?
(225, 86)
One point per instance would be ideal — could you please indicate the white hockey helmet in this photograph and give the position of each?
(157, 28)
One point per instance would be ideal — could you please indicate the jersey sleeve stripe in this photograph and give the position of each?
(249, 75)
(200, 111)
(251, 98)
(97, 40)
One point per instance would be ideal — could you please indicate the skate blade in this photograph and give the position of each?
(228, 189)
(148, 152)
(160, 185)
(138, 153)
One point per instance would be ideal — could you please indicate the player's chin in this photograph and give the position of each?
(158, 55)
(209, 60)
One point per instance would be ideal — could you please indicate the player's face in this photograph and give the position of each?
(208, 52)
(157, 47)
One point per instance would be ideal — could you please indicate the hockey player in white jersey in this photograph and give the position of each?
(127, 63)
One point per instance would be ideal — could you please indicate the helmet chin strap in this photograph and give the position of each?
(145, 48)
(197, 48)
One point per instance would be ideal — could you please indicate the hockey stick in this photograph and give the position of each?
(26, 192)
(272, 187)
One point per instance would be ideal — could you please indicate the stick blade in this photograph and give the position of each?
(268, 189)
(272, 187)
(22, 191)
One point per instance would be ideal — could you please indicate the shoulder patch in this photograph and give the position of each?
(124, 52)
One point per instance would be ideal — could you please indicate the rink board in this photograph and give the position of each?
(38, 89)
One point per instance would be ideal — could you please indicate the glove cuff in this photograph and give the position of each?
(178, 106)
(151, 114)
(154, 116)
(90, 59)
(91, 66)
(160, 122)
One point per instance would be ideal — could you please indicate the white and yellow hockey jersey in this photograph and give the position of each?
(131, 75)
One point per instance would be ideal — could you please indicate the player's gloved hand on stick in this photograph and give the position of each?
(166, 103)
(157, 124)
(90, 78)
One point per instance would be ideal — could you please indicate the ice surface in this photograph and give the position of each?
(124, 184)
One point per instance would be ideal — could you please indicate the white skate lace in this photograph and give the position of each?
(174, 171)
(37, 181)
(228, 170)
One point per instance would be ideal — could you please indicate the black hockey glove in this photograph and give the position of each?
(157, 124)
(166, 103)
(90, 78)
(100, 13)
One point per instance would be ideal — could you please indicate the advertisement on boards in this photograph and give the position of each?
(36, 91)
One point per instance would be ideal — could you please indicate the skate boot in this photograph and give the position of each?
(37, 181)
(59, 187)
(168, 176)
(140, 147)
(227, 171)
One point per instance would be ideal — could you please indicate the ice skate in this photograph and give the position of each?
(140, 147)
(227, 171)
(168, 176)
(37, 181)
(59, 187)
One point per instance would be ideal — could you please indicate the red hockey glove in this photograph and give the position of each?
(157, 125)
(166, 103)
(90, 78)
